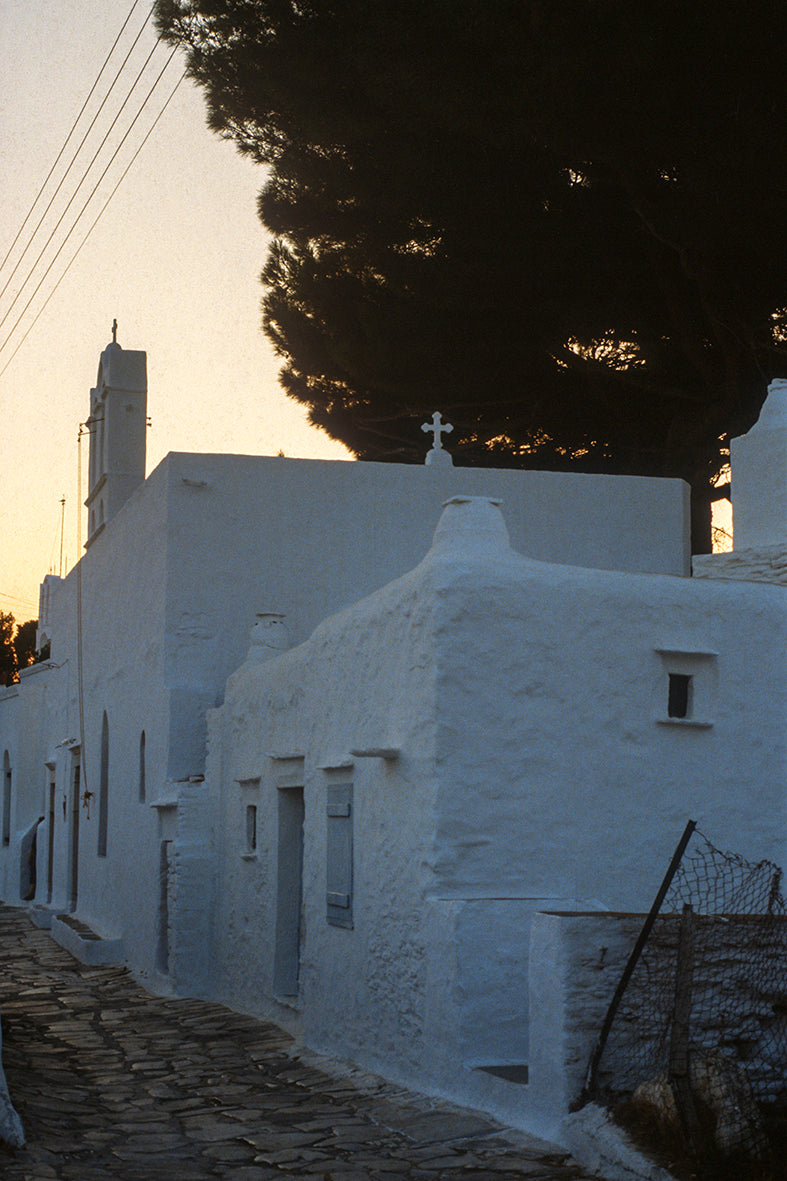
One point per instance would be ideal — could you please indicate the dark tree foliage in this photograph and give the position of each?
(562, 224)
(17, 646)
(8, 659)
(25, 643)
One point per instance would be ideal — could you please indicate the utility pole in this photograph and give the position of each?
(62, 523)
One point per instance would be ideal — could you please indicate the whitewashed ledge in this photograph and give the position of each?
(605, 1150)
(766, 564)
(11, 1130)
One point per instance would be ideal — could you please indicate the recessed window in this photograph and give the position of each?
(685, 688)
(251, 828)
(679, 699)
(247, 818)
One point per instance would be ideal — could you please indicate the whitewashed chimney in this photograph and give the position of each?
(759, 476)
(472, 525)
(269, 637)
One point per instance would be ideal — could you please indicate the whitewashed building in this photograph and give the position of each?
(320, 739)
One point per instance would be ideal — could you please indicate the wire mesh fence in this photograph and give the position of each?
(698, 1039)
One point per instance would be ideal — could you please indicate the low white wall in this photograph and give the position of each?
(576, 962)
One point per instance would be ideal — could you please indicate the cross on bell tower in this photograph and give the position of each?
(438, 428)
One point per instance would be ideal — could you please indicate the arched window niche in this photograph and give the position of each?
(103, 788)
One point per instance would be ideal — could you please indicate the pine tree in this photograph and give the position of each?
(562, 224)
(8, 659)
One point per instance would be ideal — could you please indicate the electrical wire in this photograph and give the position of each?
(87, 202)
(85, 175)
(14, 599)
(31, 239)
(89, 232)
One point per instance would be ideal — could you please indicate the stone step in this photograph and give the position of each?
(42, 917)
(83, 942)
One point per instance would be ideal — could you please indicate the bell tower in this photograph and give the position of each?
(117, 425)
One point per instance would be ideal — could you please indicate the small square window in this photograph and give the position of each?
(685, 688)
(679, 699)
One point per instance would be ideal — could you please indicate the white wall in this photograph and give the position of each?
(168, 592)
(364, 680)
(123, 576)
(24, 710)
(553, 712)
(538, 770)
(308, 538)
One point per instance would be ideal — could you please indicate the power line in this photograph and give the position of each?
(90, 198)
(89, 232)
(84, 178)
(31, 239)
(14, 599)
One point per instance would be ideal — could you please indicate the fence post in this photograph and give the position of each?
(642, 938)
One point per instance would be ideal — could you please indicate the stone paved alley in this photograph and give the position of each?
(112, 1082)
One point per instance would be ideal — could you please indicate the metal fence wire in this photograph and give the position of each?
(699, 1036)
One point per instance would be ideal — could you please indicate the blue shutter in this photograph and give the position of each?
(339, 898)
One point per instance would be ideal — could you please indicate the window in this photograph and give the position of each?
(686, 688)
(679, 696)
(251, 828)
(247, 815)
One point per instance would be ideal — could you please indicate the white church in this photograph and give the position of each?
(371, 750)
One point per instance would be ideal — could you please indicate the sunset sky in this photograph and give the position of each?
(175, 257)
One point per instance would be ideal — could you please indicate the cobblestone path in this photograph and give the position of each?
(114, 1083)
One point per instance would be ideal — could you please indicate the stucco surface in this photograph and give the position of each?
(528, 704)
(363, 680)
(552, 713)
(307, 538)
(164, 598)
(122, 587)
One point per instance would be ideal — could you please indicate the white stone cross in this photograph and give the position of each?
(438, 428)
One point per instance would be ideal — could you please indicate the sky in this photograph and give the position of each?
(175, 258)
